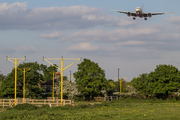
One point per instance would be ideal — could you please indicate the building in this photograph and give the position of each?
(49, 84)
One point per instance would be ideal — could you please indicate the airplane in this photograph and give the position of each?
(139, 13)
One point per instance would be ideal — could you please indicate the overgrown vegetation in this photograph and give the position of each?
(36, 73)
(161, 83)
(120, 109)
(90, 79)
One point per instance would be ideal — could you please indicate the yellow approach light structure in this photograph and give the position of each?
(15, 62)
(124, 78)
(70, 76)
(52, 85)
(24, 70)
(61, 69)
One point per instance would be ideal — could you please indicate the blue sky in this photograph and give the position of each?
(74, 28)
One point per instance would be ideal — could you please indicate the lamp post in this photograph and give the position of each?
(62, 69)
(119, 81)
(15, 62)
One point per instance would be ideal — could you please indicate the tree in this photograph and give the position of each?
(2, 77)
(48, 71)
(164, 80)
(90, 79)
(33, 77)
(140, 83)
(69, 89)
(111, 85)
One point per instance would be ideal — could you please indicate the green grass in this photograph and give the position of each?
(115, 110)
(2, 109)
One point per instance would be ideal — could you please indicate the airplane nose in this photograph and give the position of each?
(137, 9)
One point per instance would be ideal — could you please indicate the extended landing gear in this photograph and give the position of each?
(145, 18)
(134, 18)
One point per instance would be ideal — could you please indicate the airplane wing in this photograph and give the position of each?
(157, 13)
(161, 13)
(125, 12)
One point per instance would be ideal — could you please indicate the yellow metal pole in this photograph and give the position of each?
(24, 72)
(15, 80)
(53, 87)
(120, 84)
(62, 70)
(61, 80)
(15, 62)
(24, 86)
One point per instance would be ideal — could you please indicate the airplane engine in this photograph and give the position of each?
(149, 15)
(128, 14)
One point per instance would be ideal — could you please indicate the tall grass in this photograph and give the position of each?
(118, 109)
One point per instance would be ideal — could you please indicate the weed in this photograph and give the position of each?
(24, 106)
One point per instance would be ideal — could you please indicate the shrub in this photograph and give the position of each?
(25, 106)
(44, 106)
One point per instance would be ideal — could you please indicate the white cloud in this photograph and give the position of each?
(83, 47)
(53, 35)
(18, 16)
(174, 19)
(116, 35)
(4, 7)
(132, 43)
(26, 49)
(4, 49)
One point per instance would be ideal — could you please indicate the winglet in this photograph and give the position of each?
(169, 13)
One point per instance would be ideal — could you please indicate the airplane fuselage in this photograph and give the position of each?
(139, 12)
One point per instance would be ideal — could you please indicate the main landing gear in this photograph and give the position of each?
(134, 18)
(145, 18)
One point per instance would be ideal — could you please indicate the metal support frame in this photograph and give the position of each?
(52, 85)
(24, 70)
(70, 76)
(61, 69)
(116, 78)
(15, 62)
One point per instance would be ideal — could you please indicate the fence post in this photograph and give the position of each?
(57, 102)
(9, 102)
(0, 102)
(44, 101)
(36, 102)
(72, 102)
(3, 103)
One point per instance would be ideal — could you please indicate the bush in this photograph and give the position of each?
(45, 106)
(25, 106)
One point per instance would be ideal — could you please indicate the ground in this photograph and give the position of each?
(120, 109)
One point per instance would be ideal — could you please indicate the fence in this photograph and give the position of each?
(37, 102)
(107, 98)
(7, 102)
(110, 98)
(51, 98)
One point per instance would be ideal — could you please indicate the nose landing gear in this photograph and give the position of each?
(145, 18)
(134, 18)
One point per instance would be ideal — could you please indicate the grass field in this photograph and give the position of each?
(115, 110)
